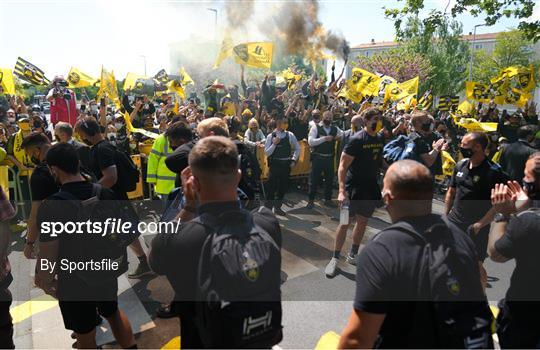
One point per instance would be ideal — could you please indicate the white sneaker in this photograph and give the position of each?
(351, 259)
(331, 268)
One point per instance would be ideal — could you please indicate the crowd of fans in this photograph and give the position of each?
(270, 125)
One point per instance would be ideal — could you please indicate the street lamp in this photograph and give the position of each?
(473, 49)
(144, 58)
(215, 11)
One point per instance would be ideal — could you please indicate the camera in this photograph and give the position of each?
(60, 89)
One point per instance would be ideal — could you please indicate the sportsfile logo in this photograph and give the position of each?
(262, 323)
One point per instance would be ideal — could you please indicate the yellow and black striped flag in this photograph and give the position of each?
(426, 101)
(29, 72)
(448, 103)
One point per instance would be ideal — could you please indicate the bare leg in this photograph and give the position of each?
(121, 329)
(86, 340)
(359, 229)
(341, 234)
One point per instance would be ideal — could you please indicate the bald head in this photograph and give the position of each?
(409, 180)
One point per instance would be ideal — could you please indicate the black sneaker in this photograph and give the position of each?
(310, 205)
(142, 270)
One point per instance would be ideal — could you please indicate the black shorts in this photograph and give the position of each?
(80, 315)
(364, 199)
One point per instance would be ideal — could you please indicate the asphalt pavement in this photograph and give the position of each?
(312, 303)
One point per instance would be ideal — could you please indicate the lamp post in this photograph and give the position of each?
(144, 58)
(473, 49)
(215, 11)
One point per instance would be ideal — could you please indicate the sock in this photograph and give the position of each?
(354, 249)
(337, 253)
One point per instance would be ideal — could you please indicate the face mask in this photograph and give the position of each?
(37, 125)
(426, 127)
(532, 190)
(118, 126)
(11, 120)
(93, 108)
(327, 122)
(467, 152)
(272, 82)
(111, 136)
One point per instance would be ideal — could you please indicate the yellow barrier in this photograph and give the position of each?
(301, 168)
(4, 179)
(138, 193)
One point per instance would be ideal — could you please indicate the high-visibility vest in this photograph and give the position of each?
(157, 171)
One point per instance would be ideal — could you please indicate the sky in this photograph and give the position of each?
(58, 34)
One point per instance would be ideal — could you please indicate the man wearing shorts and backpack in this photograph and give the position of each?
(225, 254)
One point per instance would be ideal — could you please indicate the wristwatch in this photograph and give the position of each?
(500, 217)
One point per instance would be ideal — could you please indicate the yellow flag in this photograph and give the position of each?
(185, 79)
(225, 51)
(476, 91)
(361, 83)
(174, 86)
(407, 103)
(465, 108)
(472, 124)
(108, 87)
(257, 54)
(517, 97)
(399, 91)
(130, 128)
(521, 78)
(78, 79)
(289, 77)
(6, 81)
(448, 164)
(134, 81)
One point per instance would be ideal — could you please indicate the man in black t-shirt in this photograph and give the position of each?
(78, 300)
(103, 164)
(212, 179)
(387, 277)
(360, 166)
(468, 197)
(517, 237)
(42, 184)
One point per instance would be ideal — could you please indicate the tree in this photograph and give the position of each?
(397, 63)
(446, 53)
(511, 49)
(490, 10)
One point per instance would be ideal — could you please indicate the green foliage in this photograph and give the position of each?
(490, 11)
(442, 47)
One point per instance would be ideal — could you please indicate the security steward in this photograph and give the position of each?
(282, 150)
(322, 138)
(468, 199)
(157, 172)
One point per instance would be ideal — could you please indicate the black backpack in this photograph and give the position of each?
(110, 246)
(239, 296)
(450, 297)
(128, 173)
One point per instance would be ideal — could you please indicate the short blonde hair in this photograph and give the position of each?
(215, 125)
(420, 117)
(254, 122)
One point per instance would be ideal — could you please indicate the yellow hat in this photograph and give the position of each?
(247, 112)
(24, 124)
